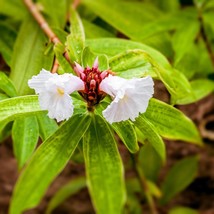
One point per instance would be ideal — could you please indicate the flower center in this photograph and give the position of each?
(92, 78)
(60, 91)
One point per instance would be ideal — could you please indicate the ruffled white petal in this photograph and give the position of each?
(38, 82)
(131, 97)
(60, 107)
(111, 84)
(54, 90)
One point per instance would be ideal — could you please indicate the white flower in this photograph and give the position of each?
(54, 90)
(130, 97)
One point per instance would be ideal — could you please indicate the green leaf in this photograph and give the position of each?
(104, 46)
(148, 129)
(178, 178)
(183, 210)
(6, 85)
(94, 31)
(3, 96)
(147, 65)
(47, 162)
(88, 58)
(56, 10)
(47, 126)
(147, 154)
(127, 134)
(181, 86)
(7, 40)
(201, 88)
(126, 17)
(25, 135)
(76, 38)
(64, 192)
(104, 168)
(168, 6)
(131, 63)
(171, 123)
(184, 38)
(174, 83)
(13, 108)
(28, 56)
(14, 8)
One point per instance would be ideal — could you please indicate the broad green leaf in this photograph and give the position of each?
(25, 135)
(178, 178)
(76, 38)
(104, 46)
(183, 210)
(184, 38)
(131, 63)
(201, 88)
(14, 8)
(104, 168)
(125, 130)
(7, 40)
(209, 5)
(56, 10)
(169, 22)
(205, 67)
(13, 108)
(189, 63)
(148, 129)
(127, 134)
(46, 163)
(28, 56)
(47, 126)
(168, 6)
(6, 85)
(181, 86)
(127, 17)
(174, 83)
(131, 59)
(3, 96)
(94, 31)
(147, 154)
(171, 123)
(88, 58)
(64, 192)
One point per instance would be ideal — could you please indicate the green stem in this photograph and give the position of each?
(144, 185)
(204, 37)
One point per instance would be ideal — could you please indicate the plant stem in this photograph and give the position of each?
(204, 37)
(47, 30)
(144, 184)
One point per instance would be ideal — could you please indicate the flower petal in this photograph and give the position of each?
(60, 107)
(112, 84)
(66, 82)
(38, 82)
(54, 90)
(131, 99)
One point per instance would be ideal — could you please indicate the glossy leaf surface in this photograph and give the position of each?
(104, 168)
(47, 162)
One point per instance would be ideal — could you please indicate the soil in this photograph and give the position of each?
(199, 195)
